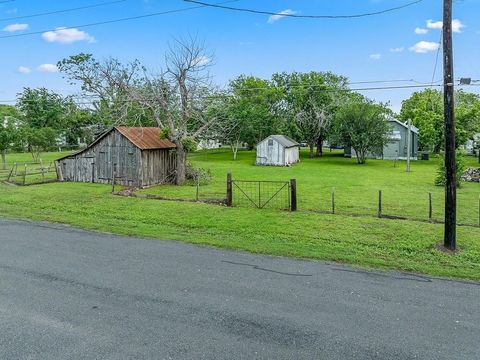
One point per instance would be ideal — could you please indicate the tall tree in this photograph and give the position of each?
(361, 124)
(8, 130)
(425, 109)
(310, 101)
(174, 99)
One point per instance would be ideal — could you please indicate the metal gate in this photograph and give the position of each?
(262, 194)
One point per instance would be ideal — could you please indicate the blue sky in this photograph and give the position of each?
(373, 48)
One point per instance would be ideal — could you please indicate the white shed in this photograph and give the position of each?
(278, 150)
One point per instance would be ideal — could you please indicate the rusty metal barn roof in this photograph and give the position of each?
(145, 138)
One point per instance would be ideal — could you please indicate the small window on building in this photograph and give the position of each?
(270, 142)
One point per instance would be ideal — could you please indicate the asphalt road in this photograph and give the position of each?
(72, 294)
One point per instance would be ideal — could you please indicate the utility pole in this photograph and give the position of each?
(409, 143)
(450, 166)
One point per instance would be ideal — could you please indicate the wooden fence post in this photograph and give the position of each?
(293, 195)
(333, 200)
(197, 195)
(379, 203)
(113, 182)
(25, 174)
(229, 190)
(42, 169)
(430, 207)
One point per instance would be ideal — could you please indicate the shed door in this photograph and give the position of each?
(270, 150)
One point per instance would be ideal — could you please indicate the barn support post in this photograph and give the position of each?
(229, 190)
(293, 195)
(59, 172)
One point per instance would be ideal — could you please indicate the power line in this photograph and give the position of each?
(113, 20)
(219, 6)
(329, 89)
(62, 11)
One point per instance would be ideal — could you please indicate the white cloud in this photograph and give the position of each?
(375, 56)
(423, 47)
(397, 49)
(203, 60)
(421, 31)
(457, 25)
(24, 70)
(281, 15)
(67, 36)
(49, 68)
(15, 27)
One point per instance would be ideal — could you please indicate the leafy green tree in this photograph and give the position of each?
(425, 109)
(310, 101)
(42, 108)
(361, 124)
(8, 130)
(254, 105)
(38, 139)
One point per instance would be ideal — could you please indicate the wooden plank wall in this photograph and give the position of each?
(116, 154)
(158, 167)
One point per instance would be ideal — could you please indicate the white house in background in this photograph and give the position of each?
(207, 144)
(470, 145)
(278, 150)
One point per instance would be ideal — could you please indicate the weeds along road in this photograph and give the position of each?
(68, 293)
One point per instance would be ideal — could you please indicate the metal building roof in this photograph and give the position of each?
(145, 138)
(284, 140)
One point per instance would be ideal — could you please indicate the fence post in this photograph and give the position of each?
(333, 200)
(42, 169)
(25, 174)
(113, 182)
(379, 203)
(293, 194)
(229, 190)
(198, 188)
(430, 208)
(11, 172)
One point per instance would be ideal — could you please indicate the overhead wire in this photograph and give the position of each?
(300, 16)
(98, 23)
(53, 12)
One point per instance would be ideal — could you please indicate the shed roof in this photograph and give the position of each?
(405, 125)
(145, 138)
(284, 140)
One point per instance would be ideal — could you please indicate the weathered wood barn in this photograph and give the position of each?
(134, 156)
(278, 150)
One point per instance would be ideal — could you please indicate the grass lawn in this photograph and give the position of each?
(362, 241)
(356, 186)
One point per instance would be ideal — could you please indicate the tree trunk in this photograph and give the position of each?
(181, 164)
(312, 148)
(235, 147)
(320, 146)
(4, 159)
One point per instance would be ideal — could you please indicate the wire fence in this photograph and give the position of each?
(386, 204)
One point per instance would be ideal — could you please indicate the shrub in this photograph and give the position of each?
(461, 167)
(194, 175)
